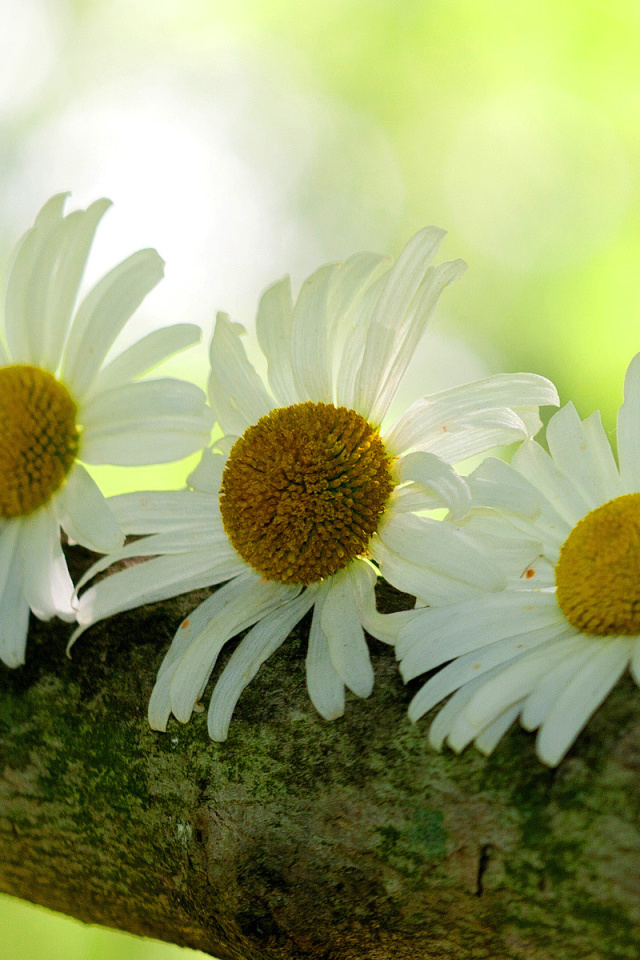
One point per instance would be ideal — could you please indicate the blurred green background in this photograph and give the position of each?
(254, 138)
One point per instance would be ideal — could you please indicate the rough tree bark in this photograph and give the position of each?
(303, 839)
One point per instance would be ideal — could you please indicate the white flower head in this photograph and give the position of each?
(543, 612)
(61, 407)
(295, 502)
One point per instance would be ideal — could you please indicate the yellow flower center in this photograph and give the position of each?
(38, 438)
(598, 572)
(303, 490)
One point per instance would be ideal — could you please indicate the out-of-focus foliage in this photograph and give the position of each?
(32, 933)
(253, 138)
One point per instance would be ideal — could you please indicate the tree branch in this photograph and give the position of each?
(299, 838)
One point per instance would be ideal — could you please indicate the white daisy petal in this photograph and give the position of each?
(14, 609)
(404, 349)
(516, 680)
(142, 445)
(47, 585)
(383, 626)
(604, 462)
(9, 538)
(154, 580)
(261, 641)
(488, 740)
(351, 283)
(552, 683)
(188, 632)
(455, 410)
(419, 581)
(441, 546)
(309, 338)
(143, 356)
(462, 732)
(159, 708)
(453, 708)
(152, 421)
(530, 417)
(103, 313)
(412, 498)
(634, 664)
(571, 449)
(497, 485)
(410, 294)
(438, 634)
(236, 393)
(440, 478)
(580, 699)
(519, 504)
(325, 688)
(163, 703)
(511, 551)
(537, 466)
(243, 606)
(207, 475)
(378, 345)
(85, 515)
(190, 539)
(155, 511)
(51, 213)
(59, 300)
(347, 645)
(195, 622)
(492, 660)
(51, 279)
(31, 268)
(355, 292)
(224, 445)
(479, 432)
(273, 329)
(15, 617)
(176, 538)
(151, 400)
(629, 428)
(363, 577)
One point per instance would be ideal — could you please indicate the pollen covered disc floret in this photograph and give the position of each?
(598, 572)
(38, 438)
(303, 491)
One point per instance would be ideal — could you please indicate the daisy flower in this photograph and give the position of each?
(291, 505)
(61, 407)
(543, 612)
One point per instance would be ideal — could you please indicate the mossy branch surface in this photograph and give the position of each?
(299, 838)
